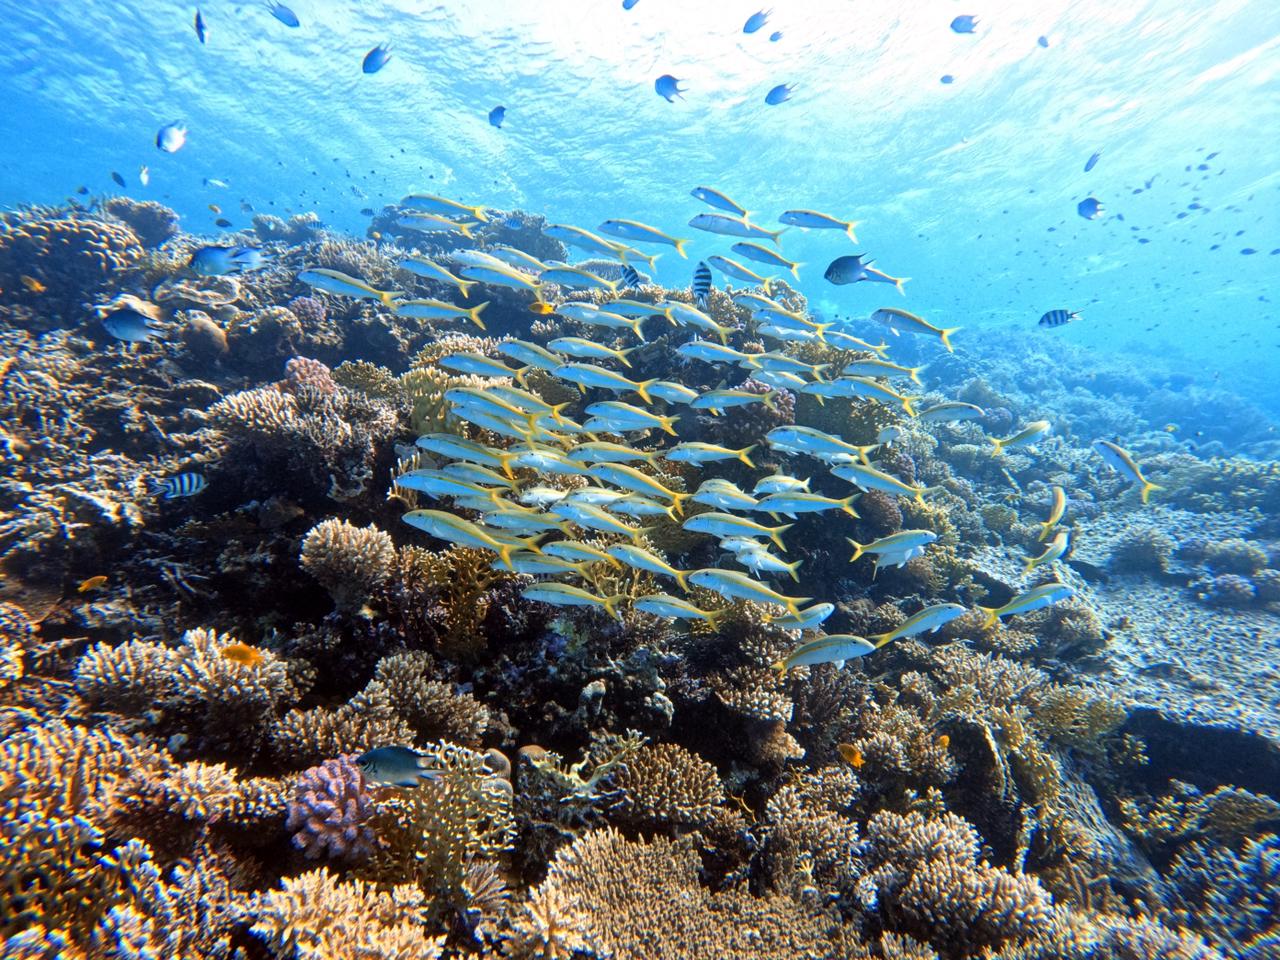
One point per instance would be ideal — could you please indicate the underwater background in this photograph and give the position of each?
(396, 560)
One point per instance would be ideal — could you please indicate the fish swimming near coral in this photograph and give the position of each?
(702, 284)
(214, 261)
(851, 755)
(815, 220)
(929, 620)
(567, 595)
(1034, 599)
(32, 284)
(130, 326)
(397, 766)
(900, 321)
(1056, 318)
(630, 278)
(1034, 431)
(837, 648)
(181, 485)
(243, 654)
(171, 137)
(339, 284)
(1057, 507)
(93, 583)
(1121, 461)
(1053, 552)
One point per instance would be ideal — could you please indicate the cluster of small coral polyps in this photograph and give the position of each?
(187, 687)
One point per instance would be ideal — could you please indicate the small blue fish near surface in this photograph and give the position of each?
(1056, 318)
(118, 179)
(1093, 161)
(756, 21)
(668, 87)
(130, 326)
(497, 115)
(171, 137)
(215, 261)
(628, 4)
(964, 23)
(283, 14)
(1090, 208)
(702, 283)
(948, 78)
(1043, 41)
(182, 485)
(396, 766)
(376, 58)
(629, 276)
(200, 30)
(779, 94)
(775, 36)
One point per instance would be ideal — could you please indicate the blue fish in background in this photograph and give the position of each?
(964, 23)
(1043, 41)
(283, 14)
(702, 283)
(214, 261)
(756, 21)
(780, 94)
(171, 137)
(628, 4)
(376, 58)
(1093, 161)
(775, 36)
(183, 485)
(200, 30)
(948, 78)
(497, 115)
(118, 179)
(668, 87)
(1090, 208)
(130, 326)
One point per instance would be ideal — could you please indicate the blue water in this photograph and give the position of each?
(969, 188)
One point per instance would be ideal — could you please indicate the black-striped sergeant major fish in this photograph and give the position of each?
(702, 283)
(629, 276)
(182, 485)
(1056, 318)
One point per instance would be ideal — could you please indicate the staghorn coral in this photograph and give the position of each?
(627, 900)
(1231, 896)
(315, 917)
(351, 562)
(924, 876)
(1226, 815)
(368, 378)
(330, 810)
(431, 834)
(305, 737)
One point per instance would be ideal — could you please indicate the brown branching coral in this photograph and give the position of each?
(315, 917)
(636, 900)
(330, 810)
(809, 842)
(402, 685)
(351, 562)
(668, 786)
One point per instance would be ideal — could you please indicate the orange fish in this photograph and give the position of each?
(242, 654)
(93, 583)
(852, 755)
(944, 741)
(32, 284)
(541, 308)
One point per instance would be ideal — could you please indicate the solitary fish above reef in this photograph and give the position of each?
(668, 87)
(1090, 208)
(895, 545)
(951, 412)
(1034, 599)
(182, 485)
(283, 14)
(1033, 431)
(641, 233)
(833, 648)
(444, 207)
(810, 618)
(731, 226)
(814, 220)
(929, 620)
(171, 137)
(1057, 508)
(1054, 551)
(376, 58)
(853, 269)
(397, 766)
(1056, 318)
(1121, 461)
(130, 326)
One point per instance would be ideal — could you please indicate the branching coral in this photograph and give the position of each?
(668, 786)
(351, 562)
(330, 810)
(809, 842)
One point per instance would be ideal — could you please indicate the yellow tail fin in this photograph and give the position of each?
(776, 535)
(465, 229)
(682, 578)
(474, 314)
(680, 248)
(858, 548)
(465, 286)
(791, 569)
(389, 297)
(991, 617)
(778, 667)
(849, 230)
(945, 335)
(611, 604)
(767, 400)
(677, 501)
(898, 282)
(909, 406)
(1147, 487)
(915, 375)
(668, 425)
(793, 604)
(745, 455)
(847, 505)
(642, 388)
(555, 411)
(622, 357)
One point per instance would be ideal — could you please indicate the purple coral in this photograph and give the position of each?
(330, 811)
(305, 372)
(310, 311)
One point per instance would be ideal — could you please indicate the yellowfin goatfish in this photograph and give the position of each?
(641, 233)
(841, 339)
(813, 220)
(1032, 432)
(567, 276)
(536, 566)
(900, 320)
(339, 284)
(630, 417)
(503, 276)
(753, 251)
(902, 542)
(629, 478)
(682, 314)
(811, 441)
(439, 310)
(728, 525)
(881, 368)
(729, 226)
(396, 766)
(1034, 599)
(1122, 462)
(431, 223)
(951, 412)
(789, 504)
(779, 483)
(1052, 552)
(516, 258)
(732, 268)
(453, 529)
(866, 477)
(715, 353)
(860, 387)
(591, 517)
(929, 620)
(460, 448)
(579, 347)
(661, 605)
(717, 400)
(672, 392)
(832, 648)
(700, 453)
(724, 495)
(642, 559)
(585, 375)
(718, 200)
(601, 451)
(530, 354)
(583, 239)
(757, 558)
(580, 553)
(1057, 508)
(732, 584)
(564, 595)
(424, 267)
(477, 364)
(443, 207)
(810, 618)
